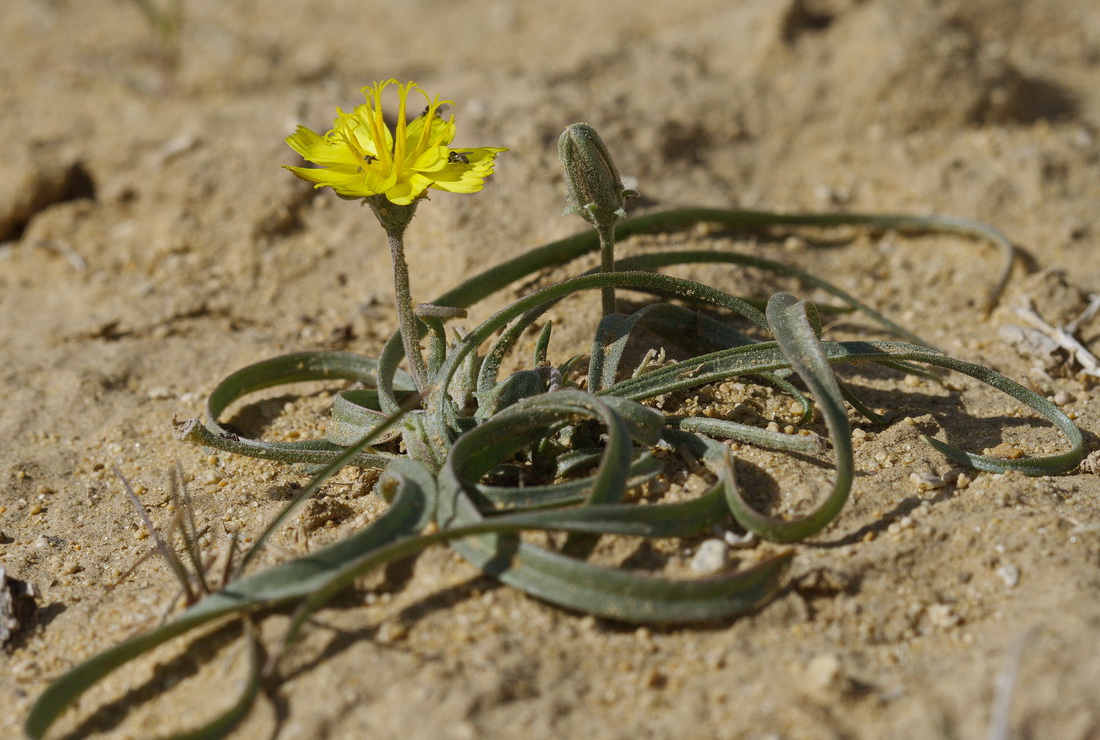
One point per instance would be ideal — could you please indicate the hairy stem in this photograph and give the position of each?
(410, 332)
(607, 264)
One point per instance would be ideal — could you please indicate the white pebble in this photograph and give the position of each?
(926, 481)
(710, 558)
(824, 672)
(942, 616)
(1010, 574)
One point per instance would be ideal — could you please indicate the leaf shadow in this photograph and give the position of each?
(201, 649)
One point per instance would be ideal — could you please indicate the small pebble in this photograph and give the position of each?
(926, 481)
(715, 658)
(941, 616)
(1062, 398)
(710, 558)
(391, 632)
(1006, 451)
(1010, 574)
(653, 679)
(825, 673)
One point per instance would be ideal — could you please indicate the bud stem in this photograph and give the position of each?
(596, 191)
(607, 264)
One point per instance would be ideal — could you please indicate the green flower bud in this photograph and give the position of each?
(596, 191)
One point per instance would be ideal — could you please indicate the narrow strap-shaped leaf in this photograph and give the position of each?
(696, 371)
(667, 318)
(640, 280)
(498, 350)
(293, 368)
(542, 346)
(607, 347)
(1048, 465)
(684, 257)
(565, 250)
(560, 578)
(762, 357)
(692, 331)
(622, 595)
(642, 471)
(723, 429)
(643, 281)
(279, 584)
(689, 330)
(355, 413)
(350, 454)
(795, 330)
(573, 583)
(905, 223)
(767, 357)
(309, 452)
(863, 409)
(487, 445)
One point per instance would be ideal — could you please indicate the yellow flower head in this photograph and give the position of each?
(361, 157)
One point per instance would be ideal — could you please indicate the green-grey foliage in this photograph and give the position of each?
(551, 449)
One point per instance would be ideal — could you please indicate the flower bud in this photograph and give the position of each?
(596, 191)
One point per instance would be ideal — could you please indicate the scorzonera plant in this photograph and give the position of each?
(473, 460)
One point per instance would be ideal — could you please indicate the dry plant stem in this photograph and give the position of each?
(1063, 336)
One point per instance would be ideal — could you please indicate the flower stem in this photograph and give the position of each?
(410, 332)
(395, 219)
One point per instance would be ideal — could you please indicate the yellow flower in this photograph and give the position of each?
(360, 157)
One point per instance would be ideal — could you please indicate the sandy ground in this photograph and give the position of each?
(151, 245)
